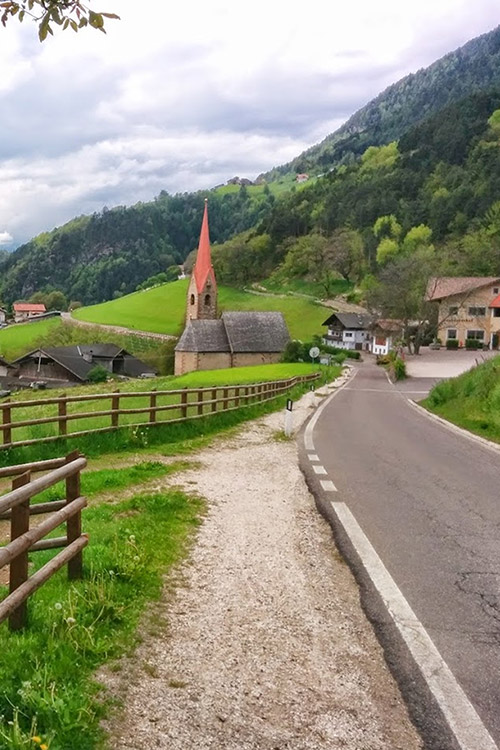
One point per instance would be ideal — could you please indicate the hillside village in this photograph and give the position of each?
(247, 490)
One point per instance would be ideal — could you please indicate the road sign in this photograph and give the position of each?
(314, 352)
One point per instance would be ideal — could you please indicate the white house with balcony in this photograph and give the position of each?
(349, 331)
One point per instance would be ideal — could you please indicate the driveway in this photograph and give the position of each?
(443, 364)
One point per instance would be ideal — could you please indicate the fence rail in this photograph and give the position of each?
(16, 507)
(186, 403)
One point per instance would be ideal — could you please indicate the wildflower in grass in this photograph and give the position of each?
(136, 558)
(43, 746)
(58, 605)
(71, 621)
(131, 538)
(36, 739)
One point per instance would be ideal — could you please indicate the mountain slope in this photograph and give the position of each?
(471, 68)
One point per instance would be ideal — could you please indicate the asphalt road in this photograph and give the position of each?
(428, 501)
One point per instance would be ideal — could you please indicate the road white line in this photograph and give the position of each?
(328, 485)
(320, 470)
(313, 457)
(469, 730)
(308, 433)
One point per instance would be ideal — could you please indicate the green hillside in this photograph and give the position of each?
(472, 68)
(162, 309)
(19, 339)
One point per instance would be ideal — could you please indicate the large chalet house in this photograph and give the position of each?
(362, 332)
(26, 310)
(468, 308)
(234, 339)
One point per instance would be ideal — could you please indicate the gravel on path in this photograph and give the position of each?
(267, 647)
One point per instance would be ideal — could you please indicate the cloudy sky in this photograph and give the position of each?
(182, 96)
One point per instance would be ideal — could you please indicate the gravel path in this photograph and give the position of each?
(267, 647)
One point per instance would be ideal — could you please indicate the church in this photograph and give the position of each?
(234, 339)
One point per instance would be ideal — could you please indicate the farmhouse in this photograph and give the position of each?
(233, 340)
(26, 310)
(468, 308)
(385, 332)
(3, 315)
(73, 363)
(349, 331)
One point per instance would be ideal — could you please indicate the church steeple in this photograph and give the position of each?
(202, 292)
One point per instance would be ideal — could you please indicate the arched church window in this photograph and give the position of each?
(207, 299)
(192, 299)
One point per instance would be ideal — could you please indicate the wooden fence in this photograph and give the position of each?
(187, 403)
(16, 506)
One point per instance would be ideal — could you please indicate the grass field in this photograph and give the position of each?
(162, 309)
(311, 288)
(471, 400)
(19, 339)
(204, 379)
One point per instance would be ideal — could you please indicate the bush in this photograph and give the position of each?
(98, 374)
(452, 344)
(399, 369)
(473, 344)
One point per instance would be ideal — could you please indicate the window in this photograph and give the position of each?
(207, 299)
(478, 335)
(495, 290)
(348, 334)
(453, 311)
(192, 299)
(477, 312)
(452, 333)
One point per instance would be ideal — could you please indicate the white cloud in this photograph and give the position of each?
(184, 96)
(5, 238)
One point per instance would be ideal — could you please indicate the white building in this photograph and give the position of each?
(3, 315)
(349, 331)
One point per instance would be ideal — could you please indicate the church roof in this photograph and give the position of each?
(236, 332)
(203, 268)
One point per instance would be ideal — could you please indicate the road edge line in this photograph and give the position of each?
(495, 447)
(458, 711)
(309, 429)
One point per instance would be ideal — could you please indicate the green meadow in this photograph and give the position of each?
(162, 309)
(19, 339)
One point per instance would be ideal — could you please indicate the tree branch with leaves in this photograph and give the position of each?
(72, 14)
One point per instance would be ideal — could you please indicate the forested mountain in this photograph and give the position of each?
(473, 67)
(436, 189)
(93, 258)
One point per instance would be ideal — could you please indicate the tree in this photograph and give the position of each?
(72, 14)
(345, 253)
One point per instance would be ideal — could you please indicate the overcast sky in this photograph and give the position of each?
(183, 96)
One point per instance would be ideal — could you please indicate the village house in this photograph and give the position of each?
(25, 310)
(385, 334)
(349, 331)
(4, 368)
(235, 339)
(73, 363)
(468, 308)
(3, 316)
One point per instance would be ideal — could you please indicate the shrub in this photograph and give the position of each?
(473, 344)
(98, 374)
(399, 369)
(452, 344)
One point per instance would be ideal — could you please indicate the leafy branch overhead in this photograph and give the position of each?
(47, 13)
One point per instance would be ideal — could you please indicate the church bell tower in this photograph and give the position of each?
(202, 291)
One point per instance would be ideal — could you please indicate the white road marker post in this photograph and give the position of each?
(288, 417)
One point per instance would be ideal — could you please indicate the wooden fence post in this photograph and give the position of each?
(200, 402)
(19, 524)
(184, 398)
(214, 399)
(115, 406)
(152, 404)
(225, 396)
(236, 397)
(74, 524)
(63, 422)
(6, 419)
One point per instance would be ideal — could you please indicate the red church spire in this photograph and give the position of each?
(203, 269)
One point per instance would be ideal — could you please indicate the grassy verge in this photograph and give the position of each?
(162, 309)
(471, 400)
(137, 438)
(236, 376)
(47, 688)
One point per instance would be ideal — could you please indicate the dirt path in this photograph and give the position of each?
(267, 647)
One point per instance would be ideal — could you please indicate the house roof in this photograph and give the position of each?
(203, 269)
(351, 321)
(389, 325)
(29, 307)
(4, 362)
(496, 302)
(449, 286)
(71, 358)
(236, 332)
(204, 336)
